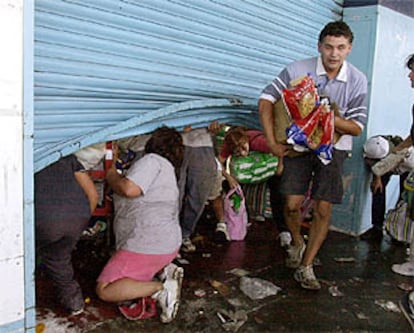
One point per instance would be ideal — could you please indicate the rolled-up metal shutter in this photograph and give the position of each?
(113, 68)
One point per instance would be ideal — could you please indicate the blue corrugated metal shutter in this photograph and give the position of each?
(112, 68)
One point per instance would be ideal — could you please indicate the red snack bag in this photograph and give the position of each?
(302, 129)
(302, 98)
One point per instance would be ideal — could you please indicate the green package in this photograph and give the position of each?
(254, 168)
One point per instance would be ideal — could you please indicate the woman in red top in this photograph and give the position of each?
(238, 142)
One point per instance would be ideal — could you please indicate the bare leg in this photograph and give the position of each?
(318, 230)
(218, 208)
(293, 217)
(126, 289)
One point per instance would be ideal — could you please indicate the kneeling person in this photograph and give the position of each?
(147, 230)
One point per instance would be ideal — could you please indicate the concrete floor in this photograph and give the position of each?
(359, 270)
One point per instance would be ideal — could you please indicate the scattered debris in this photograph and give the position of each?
(405, 286)
(256, 288)
(232, 320)
(334, 291)
(236, 302)
(356, 279)
(50, 322)
(199, 293)
(40, 328)
(223, 289)
(361, 315)
(345, 259)
(238, 272)
(222, 319)
(388, 305)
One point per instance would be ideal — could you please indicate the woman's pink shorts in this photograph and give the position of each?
(136, 266)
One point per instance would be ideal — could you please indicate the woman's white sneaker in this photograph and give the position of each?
(169, 300)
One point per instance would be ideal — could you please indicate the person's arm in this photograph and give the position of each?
(344, 126)
(408, 142)
(231, 180)
(87, 185)
(122, 185)
(376, 184)
(214, 127)
(266, 120)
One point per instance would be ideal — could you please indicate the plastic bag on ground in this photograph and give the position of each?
(256, 288)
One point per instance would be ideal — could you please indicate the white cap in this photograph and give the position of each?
(376, 147)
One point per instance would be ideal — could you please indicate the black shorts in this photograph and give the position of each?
(302, 171)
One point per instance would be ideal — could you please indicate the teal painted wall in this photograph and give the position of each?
(383, 40)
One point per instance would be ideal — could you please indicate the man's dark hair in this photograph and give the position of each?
(337, 29)
(410, 62)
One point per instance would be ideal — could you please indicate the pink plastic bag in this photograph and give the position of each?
(235, 213)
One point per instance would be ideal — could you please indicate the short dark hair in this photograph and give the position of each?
(337, 29)
(410, 62)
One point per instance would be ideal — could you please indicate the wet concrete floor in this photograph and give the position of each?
(360, 272)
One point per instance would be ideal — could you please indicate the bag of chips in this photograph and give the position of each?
(312, 119)
(302, 98)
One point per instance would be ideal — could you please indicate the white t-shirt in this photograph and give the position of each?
(149, 223)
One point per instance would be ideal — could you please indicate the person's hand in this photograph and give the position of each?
(214, 127)
(376, 185)
(278, 149)
(233, 183)
(279, 169)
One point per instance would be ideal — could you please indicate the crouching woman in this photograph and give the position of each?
(147, 231)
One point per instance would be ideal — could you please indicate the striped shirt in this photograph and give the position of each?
(348, 90)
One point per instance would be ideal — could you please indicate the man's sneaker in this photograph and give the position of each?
(172, 272)
(221, 234)
(406, 269)
(306, 277)
(169, 300)
(285, 239)
(143, 308)
(187, 245)
(294, 255)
